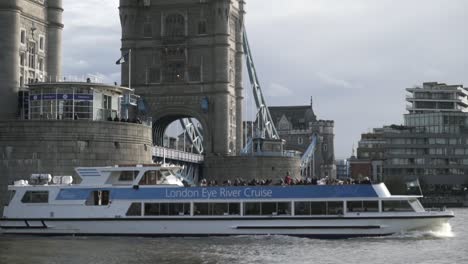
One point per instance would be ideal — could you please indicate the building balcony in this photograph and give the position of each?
(460, 101)
(415, 109)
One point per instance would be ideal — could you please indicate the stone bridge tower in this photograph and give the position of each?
(187, 62)
(30, 47)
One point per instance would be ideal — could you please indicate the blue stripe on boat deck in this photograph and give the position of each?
(232, 193)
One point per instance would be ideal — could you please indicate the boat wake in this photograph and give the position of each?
(442, 231)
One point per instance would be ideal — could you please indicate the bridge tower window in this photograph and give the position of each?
(174, 25)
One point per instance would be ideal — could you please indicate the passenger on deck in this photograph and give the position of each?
(203, 183)
(288, 179)
(366, 180)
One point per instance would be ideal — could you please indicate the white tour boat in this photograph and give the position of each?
(152, 201)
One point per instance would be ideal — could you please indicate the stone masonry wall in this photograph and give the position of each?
(57, 147)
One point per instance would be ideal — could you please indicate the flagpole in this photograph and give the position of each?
(129, 82)
(130, 69)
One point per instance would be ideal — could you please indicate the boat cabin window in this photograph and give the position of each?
(98, 198)
(318, 208)
(267, 208)
(134, 210)
(334, 208)
(216, 209)
(310, 208)
(164, 209)
(151, 178)
(35, 197)
(397, 206)
(9, 197)
(362, 206)
(128, 175)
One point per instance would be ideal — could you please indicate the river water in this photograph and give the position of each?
(443, 246)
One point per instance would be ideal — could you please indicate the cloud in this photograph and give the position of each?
(278, 90)
(335, 82)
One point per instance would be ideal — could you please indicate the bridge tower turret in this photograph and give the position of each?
(54, 38)
(10, 21)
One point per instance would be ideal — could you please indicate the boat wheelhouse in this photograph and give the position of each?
(152, 200)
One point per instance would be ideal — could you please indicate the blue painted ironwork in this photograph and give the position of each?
(310, 152)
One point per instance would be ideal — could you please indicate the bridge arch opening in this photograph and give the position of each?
(181, 132)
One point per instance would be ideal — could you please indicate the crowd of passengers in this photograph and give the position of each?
(288, 180)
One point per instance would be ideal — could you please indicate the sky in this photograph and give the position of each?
(354, 57)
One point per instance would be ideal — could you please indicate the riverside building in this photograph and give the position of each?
(297, 125)
(431, 146)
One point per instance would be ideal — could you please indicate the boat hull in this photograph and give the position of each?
(339, 227)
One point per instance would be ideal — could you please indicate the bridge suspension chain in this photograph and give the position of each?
(266, 126)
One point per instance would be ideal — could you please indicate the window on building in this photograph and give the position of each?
(41, 64)
(107, 102)
(98, 198)
(154, 75)
(202, 27)
(32, 55)
(22, 59)
(194, 74)
(35, 197)
(23, 36)
(175, 72)
(41, 43)
(147, 29)
(134, 210)
(459, 151)
(300, 140)
(174, 25)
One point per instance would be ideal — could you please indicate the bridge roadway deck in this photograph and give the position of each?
(178, 155)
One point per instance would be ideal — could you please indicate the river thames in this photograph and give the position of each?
(443, 246)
